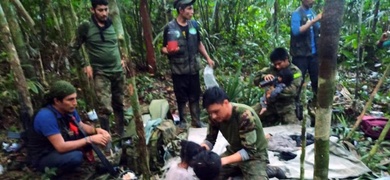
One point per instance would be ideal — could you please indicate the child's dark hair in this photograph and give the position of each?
(95, 3)
(214, 95)
(188, 150)
(207, 165)
(278, 54)
(287, 76)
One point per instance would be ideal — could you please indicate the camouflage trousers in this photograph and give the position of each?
(109, 90)
(249, 170)
(273, 116)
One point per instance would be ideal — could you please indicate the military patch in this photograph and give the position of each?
(192, 30)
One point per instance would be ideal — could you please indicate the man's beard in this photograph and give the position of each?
(101, 20)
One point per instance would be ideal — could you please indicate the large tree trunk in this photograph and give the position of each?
(18, 39)
(147, 32)
(132, 88)
(20, 80)
(330, 34)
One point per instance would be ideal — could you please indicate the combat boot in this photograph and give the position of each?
(180, 107)
(105, 124)
(119, 122)
(195, 113)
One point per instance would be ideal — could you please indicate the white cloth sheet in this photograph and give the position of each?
(342, 163)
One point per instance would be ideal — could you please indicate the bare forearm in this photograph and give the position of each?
(88, 128)
(203, 51)
(65, 146)
(306, 26)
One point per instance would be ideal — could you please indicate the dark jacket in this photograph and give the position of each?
(187, 60)
(300, 45)
(38, 145)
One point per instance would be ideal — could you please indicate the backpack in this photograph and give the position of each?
(372, 126)
(162, 135)
(162, 142)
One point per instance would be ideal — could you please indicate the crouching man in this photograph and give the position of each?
(54, 139)
(239, 124)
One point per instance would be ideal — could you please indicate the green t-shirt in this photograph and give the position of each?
(243, 131)
(103, 52)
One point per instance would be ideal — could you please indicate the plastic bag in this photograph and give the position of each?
(209, 79)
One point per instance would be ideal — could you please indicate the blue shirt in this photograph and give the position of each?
(296, 24)
(386, 43)
(45, 121)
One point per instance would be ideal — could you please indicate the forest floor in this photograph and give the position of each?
(13, 166)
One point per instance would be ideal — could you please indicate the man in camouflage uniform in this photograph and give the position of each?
(105, 66)
(239, 124)
(283, 108)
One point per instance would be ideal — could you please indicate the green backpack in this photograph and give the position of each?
(161, 139)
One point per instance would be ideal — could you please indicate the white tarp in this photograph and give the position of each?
(342, 163)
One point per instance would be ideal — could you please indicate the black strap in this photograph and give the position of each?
(298, 97)
(99, 153)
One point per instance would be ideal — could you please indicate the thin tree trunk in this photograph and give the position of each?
(19, 6)
(132, 88)
(20, 80)
(68, 19)
(303, 146)
(215, 20)
(376, 11)
(147, 32)
(168, 13)
(369, 102)
(328, 45)
(276, 12)
(53, 15)
(18, 39)
(359, 52)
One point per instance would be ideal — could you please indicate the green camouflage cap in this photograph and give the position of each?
(60, 89)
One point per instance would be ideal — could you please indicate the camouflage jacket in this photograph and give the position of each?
(287, 96)
(243, 131)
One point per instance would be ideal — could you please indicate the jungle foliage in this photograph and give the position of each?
(239, 35)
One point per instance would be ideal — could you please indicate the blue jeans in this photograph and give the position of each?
(65, 161)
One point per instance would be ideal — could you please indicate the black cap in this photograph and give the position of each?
(179, 3)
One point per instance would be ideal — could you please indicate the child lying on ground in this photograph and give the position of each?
(194, 158)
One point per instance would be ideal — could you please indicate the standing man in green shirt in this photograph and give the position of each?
(105, 66)
(242, 128)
